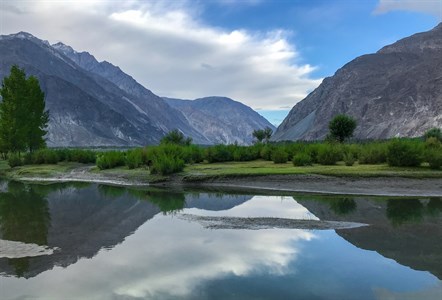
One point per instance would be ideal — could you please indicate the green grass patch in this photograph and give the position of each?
(41, 170)
(261, 167)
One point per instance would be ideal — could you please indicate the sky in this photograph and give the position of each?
(268, 54)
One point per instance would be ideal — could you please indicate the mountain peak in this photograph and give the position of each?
(392, 93)
(24, 36)
(63, 48)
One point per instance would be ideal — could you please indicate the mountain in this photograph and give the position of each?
(396, 92)
(95, 103)
(221, 120)
(146, 102)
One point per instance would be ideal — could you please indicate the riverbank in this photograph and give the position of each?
(379, 180)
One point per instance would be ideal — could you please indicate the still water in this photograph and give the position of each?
(87, 241)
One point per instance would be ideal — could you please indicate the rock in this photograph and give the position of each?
(396, 92)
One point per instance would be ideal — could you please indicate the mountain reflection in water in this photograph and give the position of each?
(132, 243)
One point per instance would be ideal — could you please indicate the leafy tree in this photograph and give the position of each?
(268, 133)
(12, 127)
(262, 134)
(176, 137)
(342, 127)
(434, 133)
(259, 135)
(37, 117)
(23, 118)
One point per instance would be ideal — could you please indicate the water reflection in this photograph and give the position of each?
(24, 217)
(118, 243)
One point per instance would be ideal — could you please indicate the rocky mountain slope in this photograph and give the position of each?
(221, 120)
(394, 92)
(95, 103)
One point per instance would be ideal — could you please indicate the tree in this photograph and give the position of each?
(433, 132)
(259, 134)
(176, 137)
(37, 117)
(22, 116)
(268, 133)
(342, 127)
(262, 134)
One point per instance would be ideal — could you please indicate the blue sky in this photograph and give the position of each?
(268, 54)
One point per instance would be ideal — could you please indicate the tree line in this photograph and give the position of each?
(23, 118)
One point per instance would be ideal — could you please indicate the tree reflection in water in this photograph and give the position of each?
(24, 217)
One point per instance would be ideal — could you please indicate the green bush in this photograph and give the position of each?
(219, 153)
(164, 164)
(192, 154)
(434, 157)
(404, 153)
(134, 158)
(242, 153)
(266, 152)
(329, 154)
(15, 160)
(45, 156)
(279, 156)
(349, 159)
(374, 153)
(302, 159)
(81, 156)
(110, 159)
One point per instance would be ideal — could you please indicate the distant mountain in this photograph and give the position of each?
(394, 92)
(146, 102)
(221, 120)
(95, 103)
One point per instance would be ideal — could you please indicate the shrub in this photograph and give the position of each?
(219, 153)
(329, 154)
(279, 156)
(45, 156)
(375, 153)
(164, 164)
(15, 160)
(193, 154)
(301, 159)
(110, 159)
(134, 158)
(266, 152)
(434, 157)
(404, 153)
(81, 156)
(349, 159)
(246, 153)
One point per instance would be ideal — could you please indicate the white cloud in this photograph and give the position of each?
(165, 46)
(433, 7)
(169, 257)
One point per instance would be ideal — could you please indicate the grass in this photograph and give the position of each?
(261, 167)
(204, 171)
(37, 170)
(138, 174)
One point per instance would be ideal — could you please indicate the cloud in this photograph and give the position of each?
(166, 47)
(168, 257)
(433, 7)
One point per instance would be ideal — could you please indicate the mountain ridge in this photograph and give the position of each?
(92, 103)
(391, 93)
(237, 120)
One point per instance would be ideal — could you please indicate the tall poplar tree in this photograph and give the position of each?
(37, 117)
(22, 116)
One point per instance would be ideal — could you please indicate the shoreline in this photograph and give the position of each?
(317, 184)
